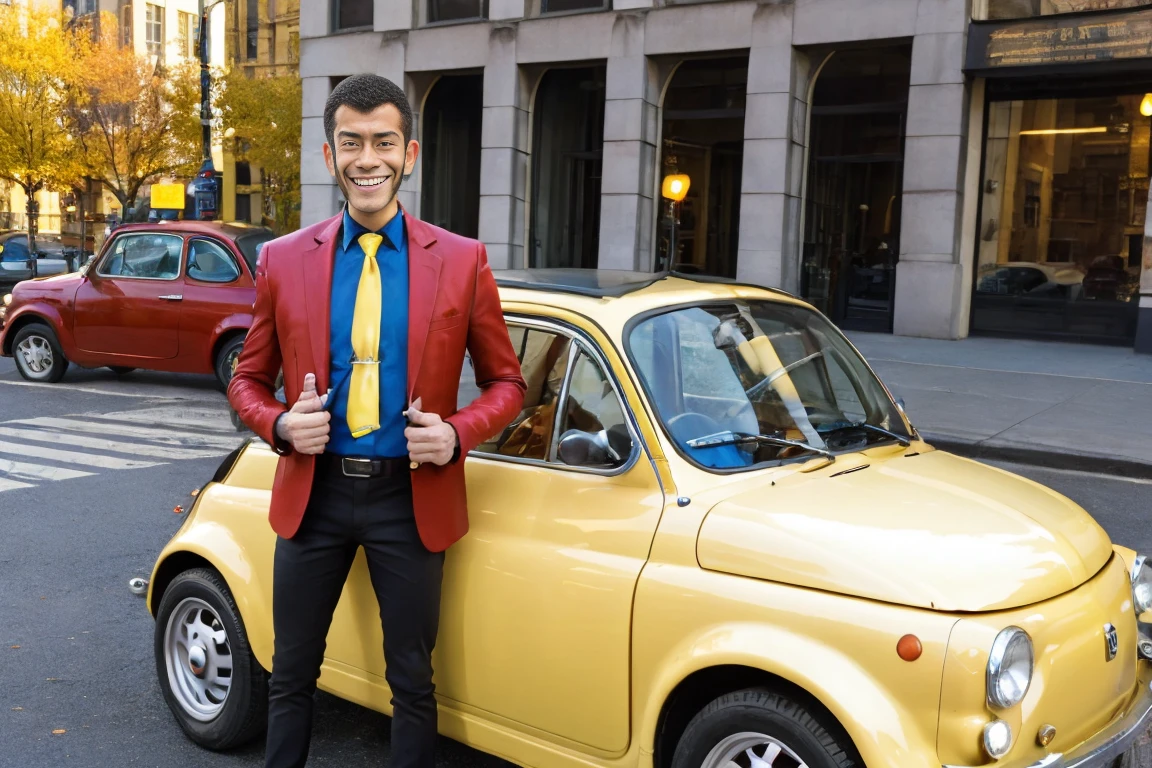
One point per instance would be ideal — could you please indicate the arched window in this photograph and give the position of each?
(450, 152)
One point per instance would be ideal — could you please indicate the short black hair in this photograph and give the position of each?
(365, 93)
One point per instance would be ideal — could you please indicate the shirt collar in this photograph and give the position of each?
(393, 231)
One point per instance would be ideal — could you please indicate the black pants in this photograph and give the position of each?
(310, 570)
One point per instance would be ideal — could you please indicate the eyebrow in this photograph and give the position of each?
(345, 134)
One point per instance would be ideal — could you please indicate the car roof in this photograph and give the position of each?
(612, 297)
(230, 230)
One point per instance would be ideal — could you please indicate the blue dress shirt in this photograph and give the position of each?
(392, 258)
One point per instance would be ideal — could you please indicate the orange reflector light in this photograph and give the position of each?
(909, 648)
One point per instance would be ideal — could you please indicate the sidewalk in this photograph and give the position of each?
(1071, 406)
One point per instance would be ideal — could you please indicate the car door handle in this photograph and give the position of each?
(173, 297)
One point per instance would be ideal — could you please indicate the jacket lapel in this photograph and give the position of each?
(316, 266)
(423, 282)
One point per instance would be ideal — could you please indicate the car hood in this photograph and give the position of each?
(931, 531)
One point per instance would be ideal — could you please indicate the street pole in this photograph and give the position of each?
(206, 187)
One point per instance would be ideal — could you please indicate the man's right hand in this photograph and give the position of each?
(306, 425)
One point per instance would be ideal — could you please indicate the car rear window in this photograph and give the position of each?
(250, 244)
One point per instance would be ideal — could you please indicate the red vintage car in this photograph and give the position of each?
(172, 296)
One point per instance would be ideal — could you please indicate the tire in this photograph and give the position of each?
(120, 370)
(38, 354)
(217, 717)
(763, 721)
(225, 357)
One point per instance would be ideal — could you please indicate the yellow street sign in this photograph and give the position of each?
(168, 196)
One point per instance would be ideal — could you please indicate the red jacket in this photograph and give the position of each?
(453, 305)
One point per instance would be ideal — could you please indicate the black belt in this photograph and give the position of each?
(352, 466)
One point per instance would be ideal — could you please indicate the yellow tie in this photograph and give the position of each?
(364, 390)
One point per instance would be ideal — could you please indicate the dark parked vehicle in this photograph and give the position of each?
(17, 262)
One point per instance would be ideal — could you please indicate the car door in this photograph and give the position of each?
(215, 287)
(537, 599)
(130, 303)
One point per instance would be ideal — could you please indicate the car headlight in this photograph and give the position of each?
(1010, 668)
(7, 299)
(1142, 585)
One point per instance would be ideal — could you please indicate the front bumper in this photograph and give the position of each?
(1111, 742)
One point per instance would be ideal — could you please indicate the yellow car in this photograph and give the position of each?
(712, 539)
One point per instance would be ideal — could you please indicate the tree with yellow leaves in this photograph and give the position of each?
(36, 64)
(266, 114)
(133, 120)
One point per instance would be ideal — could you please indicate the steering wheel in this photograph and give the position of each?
(709, 424)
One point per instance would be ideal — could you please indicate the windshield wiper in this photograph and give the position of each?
(732, 438)
(902, 439)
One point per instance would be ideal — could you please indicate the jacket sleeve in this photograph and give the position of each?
(494, 360)
(252, 389)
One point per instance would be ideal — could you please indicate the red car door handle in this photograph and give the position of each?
(173, 297)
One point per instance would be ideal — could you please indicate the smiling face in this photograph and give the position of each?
(369, 160)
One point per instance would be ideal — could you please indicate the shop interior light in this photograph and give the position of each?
(1058, 131)
(1146, 105)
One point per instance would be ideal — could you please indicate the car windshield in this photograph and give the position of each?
(250, 245)
(732, 371)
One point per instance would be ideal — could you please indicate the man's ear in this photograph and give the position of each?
(411, 152)
(329, 160)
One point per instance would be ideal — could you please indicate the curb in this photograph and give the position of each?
(1038, 457)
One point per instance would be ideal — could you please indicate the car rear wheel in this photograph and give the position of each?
(226, 359)
(211, 681)
(756, 728)
(120, 370)
(38, 354)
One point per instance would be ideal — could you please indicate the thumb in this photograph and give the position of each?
(309, 384)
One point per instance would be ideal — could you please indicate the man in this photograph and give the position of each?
(374, 308)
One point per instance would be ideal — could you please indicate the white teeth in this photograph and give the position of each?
(368, 182)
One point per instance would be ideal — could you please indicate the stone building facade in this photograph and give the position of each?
(839, 149)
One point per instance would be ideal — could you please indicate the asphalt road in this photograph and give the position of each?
(81, 688)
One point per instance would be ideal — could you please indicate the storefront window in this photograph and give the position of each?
(1065, 193)
(1024, 9)
(703, 139)
(450, 155)
(855, 186)
(567, 162)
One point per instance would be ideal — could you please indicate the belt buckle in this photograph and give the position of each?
(366, 463)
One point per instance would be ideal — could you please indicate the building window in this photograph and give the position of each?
(84, 7)
(1023, 9)
(126, 26)
(243, 174)
(855, 187)
(703, 140)
(253, 36)
(449, 135)
(457, 10)
(353, 13)
(154, 29)
(1062, 217)
(567, 162)
(189, 31)
(561, 6)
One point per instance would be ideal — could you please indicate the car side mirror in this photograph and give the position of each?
(586, 449)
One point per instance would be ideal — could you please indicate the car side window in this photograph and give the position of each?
(543, 359)
(210, 262)
(146, 255)
(593, 429)
(16, 249)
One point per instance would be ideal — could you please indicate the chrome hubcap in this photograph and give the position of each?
(36, 353)
(752, 750)
(198, 658)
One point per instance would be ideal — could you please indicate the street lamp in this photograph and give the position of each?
(674, 189)
(206, 186)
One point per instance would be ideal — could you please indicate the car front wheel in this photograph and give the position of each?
(756, 728)
(211, 681)
(38, 354)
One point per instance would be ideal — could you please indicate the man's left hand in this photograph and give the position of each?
(430, 438)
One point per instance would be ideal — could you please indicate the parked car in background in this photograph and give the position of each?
(17, 262)
(710, 539)
(170, 296)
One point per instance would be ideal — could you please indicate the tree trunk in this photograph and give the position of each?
(33, 222)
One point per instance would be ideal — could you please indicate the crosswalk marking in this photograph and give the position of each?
(23, 471)
(165, 436)
(53, 448)
(137, 449)
(74, 457)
